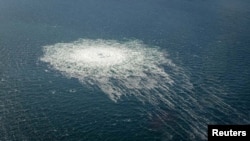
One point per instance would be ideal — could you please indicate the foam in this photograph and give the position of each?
(132, 68)
(106, 63)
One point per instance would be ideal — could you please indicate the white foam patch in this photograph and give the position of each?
(131, 68)
(99, 56)
(115, 67)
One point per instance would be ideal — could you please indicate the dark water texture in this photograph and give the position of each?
(209, 39)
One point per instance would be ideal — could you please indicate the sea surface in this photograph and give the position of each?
(203, 78)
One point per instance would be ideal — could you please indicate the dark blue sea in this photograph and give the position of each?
(207, 40)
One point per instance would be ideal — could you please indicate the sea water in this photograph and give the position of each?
(122, 70)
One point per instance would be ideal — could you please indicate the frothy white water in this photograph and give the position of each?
(128, 68)
(131, 68)
(100, 56)
(113, 66)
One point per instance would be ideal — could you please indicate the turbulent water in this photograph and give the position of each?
(116, 68)
(151, 70)
(131, 68)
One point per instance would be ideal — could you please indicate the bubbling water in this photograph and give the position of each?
(99, 56)
(132, 68)
(106, 63)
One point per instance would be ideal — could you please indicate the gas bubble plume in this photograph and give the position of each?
(111, 65)
(133, 69)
